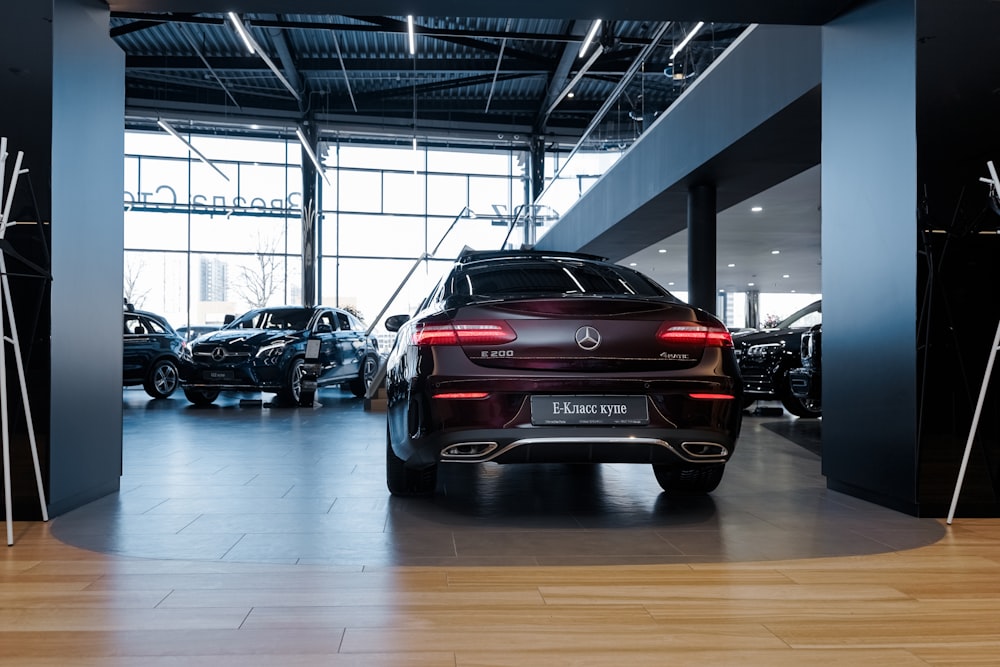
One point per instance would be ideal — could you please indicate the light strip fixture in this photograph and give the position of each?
(175, 134)
(312, 154)
(413, 41)
(254, 47)
(688, 38)
(242, 32)
(590, 37)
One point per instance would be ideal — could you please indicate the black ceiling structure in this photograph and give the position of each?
(481, 79)
(496, 83)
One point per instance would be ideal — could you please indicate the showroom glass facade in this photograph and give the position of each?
(204, 239)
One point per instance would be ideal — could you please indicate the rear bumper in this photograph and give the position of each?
(572, 445)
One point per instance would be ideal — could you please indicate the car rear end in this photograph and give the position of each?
(585, 376)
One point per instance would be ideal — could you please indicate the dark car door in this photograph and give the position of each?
(351, 342)
(323, 341)
(143, 340)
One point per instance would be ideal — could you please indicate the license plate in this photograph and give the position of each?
(218, 375)
(589, 410)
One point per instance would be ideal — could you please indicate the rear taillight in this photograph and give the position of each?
(694, 334)
(463, 395)
(464, 333)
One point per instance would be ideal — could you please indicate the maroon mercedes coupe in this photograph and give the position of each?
(546, 357)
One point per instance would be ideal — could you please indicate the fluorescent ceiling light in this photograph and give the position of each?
(413, 42)
(242, 31)
(176, 135)
(590, 37)
(312, 154)
(254, 47)
(684, 42)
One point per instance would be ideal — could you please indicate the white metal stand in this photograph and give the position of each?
(995, 190)
(13, 340)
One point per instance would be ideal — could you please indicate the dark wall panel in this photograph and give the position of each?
(959, 285)
(87, 125)
(26, 85)
(869, 253)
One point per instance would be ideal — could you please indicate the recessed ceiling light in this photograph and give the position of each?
(731, 266)
(749, 284)
(662, 250)
(786, 276)
(631, 264)
(571, 95)
(670, 284)
(756, 209)
(775, 252)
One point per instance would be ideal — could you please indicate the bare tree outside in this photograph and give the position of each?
(261, 276)
(133, 271)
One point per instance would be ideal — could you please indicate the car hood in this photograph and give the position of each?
(761, 336)
(249, 337)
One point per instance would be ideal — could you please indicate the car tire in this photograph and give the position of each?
(201, 397)
(369, 367)
(291, 392)
(805, 408)
(162, 379)
(688, 481)
(403, 481)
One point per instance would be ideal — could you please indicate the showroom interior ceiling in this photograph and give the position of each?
(475, 78)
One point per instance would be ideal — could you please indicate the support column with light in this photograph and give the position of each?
(753, 308)
(310, 215)
(701, 246)
(534, 184)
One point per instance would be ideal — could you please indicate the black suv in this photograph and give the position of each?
(150, 352)
(287, 350)
(766, 356)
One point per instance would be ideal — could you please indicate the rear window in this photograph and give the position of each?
(543, 277)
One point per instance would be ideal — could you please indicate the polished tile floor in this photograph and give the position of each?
(246, 482)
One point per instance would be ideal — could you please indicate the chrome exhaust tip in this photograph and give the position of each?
(704, 450)
(468, 450)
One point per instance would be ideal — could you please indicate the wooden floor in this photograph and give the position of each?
(69, 598)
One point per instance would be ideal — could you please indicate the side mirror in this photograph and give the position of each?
(394, 322)
(228, 319)
(324, 328)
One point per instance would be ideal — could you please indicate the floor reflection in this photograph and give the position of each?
(251, 480)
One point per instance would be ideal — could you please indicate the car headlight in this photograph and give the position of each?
(765, 350)
(271, 351)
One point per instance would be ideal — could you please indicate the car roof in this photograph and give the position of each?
(469, 255)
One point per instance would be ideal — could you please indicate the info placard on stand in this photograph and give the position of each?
(12, 339)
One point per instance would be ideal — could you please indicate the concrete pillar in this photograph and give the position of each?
(701, 247)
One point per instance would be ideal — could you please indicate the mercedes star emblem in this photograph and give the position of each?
(218, 354)
(588, 338)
